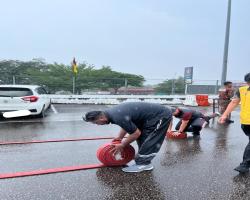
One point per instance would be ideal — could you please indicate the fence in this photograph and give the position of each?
(73, 84)
(203, 87)
(109, 85)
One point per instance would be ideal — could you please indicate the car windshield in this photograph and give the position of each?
(15, 92)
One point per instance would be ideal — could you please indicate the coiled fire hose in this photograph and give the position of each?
(105, 155)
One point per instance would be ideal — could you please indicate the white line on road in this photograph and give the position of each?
(54, 109)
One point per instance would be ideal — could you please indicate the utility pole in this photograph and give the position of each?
(126, 85)
(13, 80)
(74, 83)
(225, 57)
(173, 87)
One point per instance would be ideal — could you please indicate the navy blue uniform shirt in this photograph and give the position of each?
(141, 115)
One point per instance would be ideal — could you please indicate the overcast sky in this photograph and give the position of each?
(153, 38)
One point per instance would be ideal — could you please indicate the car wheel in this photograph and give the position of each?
(42, 114)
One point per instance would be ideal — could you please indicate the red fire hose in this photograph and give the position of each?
(50, 171)
(170, 135)
(105, 154)
(56, 140)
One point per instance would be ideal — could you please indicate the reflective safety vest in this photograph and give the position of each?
(245, 105)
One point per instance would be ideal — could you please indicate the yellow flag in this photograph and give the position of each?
(74, 66)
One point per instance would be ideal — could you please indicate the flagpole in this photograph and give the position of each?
(74, 83)
(74, 70)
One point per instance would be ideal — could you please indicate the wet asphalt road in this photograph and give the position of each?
(185, 169)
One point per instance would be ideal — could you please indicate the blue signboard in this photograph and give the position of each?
(188, 75)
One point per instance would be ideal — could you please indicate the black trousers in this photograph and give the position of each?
(194, 125)
(246, 155)
(150, 141)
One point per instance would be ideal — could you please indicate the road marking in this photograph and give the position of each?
(54, 109)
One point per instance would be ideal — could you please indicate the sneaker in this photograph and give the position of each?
(138, 168)
(242, 168)
(217, 114)
(229, 121)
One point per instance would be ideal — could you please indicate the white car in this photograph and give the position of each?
(24, 97)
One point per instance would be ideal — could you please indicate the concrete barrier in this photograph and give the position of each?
(190, 100)
(117, 99)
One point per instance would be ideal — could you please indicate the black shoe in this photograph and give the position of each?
(242, 168)
(229, 121)
(207, 118)
(196, 135)
(212, 116)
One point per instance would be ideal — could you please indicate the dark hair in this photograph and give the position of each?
(247, 78)
(92, 116)
(227, 83)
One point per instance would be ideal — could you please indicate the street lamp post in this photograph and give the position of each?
(225, 57)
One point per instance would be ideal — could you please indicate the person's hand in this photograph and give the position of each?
(175, 133)
(117, 148)
(117, 140)
(222, 119)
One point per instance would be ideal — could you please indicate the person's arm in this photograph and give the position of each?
(183, 126)
(131, 138)
(184, 122)
(233, 104)
(121, 135)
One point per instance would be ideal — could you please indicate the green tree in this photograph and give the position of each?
(166, 87)
(105, 79)
(58, 77)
